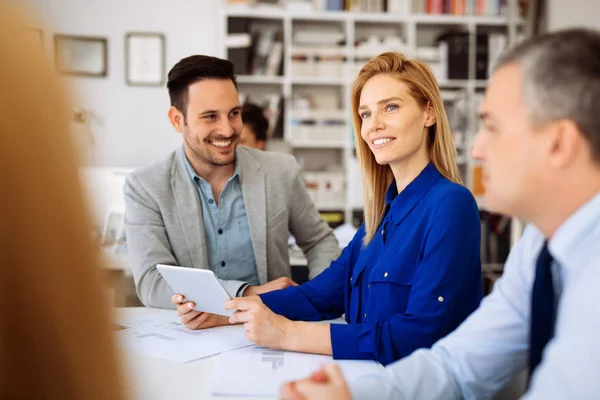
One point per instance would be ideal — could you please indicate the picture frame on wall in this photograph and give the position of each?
(81, 55)
(145, 63)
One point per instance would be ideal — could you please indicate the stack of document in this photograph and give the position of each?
(160, 334)
(259, 371)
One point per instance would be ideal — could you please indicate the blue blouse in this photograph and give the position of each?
(414, 283)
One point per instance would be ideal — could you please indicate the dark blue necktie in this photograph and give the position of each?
(543, 314)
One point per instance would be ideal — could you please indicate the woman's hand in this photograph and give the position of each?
(263, 326)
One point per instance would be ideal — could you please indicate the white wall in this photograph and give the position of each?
(134, 129)
(570, 13)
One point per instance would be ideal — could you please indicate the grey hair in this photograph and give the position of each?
(562, 79)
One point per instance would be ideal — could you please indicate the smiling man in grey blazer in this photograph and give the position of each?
(212, 204)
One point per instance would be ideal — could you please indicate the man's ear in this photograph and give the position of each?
(430, 116)
(177, 119)
(566, 143)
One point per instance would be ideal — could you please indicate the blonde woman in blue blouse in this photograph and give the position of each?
(412, 273)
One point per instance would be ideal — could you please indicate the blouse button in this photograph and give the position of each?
(385, 275)
(365, 315)
(440, 299)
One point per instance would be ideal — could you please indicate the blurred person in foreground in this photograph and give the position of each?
(540, 148)
(60, 346)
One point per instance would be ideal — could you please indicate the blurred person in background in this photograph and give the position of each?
(55, 340)
(256, 125)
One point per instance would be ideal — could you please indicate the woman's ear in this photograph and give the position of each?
(429, 116)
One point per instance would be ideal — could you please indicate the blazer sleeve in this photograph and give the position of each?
(446, 285)
(312, 234)
(321, 298)
(147, 245)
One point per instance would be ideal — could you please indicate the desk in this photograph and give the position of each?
(149, 378)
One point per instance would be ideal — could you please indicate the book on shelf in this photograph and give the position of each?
(254, 51)
(460, 7)
(263, 42)
(379, 6)
(275, 116)
(273, 62)
(434, 7)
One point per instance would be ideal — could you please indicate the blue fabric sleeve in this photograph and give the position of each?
(446, 289)
(321, 298)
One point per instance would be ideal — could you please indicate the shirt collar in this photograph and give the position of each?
(402, 204)
(194, 177)
(573, 239)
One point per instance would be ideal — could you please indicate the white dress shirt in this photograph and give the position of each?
(491, 346)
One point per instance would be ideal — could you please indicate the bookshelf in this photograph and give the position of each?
(322, 53)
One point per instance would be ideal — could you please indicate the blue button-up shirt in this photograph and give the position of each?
(415, 282)
(491, 347)
(230, 252)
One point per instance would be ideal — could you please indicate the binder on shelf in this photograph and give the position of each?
(458, 54)
(239, 44)
(481, 56)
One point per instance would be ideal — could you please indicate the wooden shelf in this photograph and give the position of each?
(257, 12)
(318, 145)
(260, 79)
(318, 80)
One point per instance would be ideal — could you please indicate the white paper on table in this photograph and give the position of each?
(259, 371)
(160, 334)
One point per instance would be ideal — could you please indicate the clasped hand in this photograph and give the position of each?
(325, 384)
(262, 325)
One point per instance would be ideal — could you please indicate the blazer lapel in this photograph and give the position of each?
(190, 213)
(253, 190)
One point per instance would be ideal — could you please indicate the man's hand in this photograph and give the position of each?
(262, 325)
(326, 383)
(193, 319)
(277, 284)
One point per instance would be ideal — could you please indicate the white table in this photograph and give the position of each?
(149, 378)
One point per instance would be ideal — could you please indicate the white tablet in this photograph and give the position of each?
(198, 285)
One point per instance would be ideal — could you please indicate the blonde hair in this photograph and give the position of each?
(424, 89)
(55, 339)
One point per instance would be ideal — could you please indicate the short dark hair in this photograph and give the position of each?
(254, 116)
(191, 70)
(562, 79)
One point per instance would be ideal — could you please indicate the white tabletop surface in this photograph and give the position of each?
(150, 378)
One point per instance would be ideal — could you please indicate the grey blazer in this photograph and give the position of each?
(163, 221)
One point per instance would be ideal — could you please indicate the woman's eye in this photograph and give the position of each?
(366, 114)
(391, 107)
